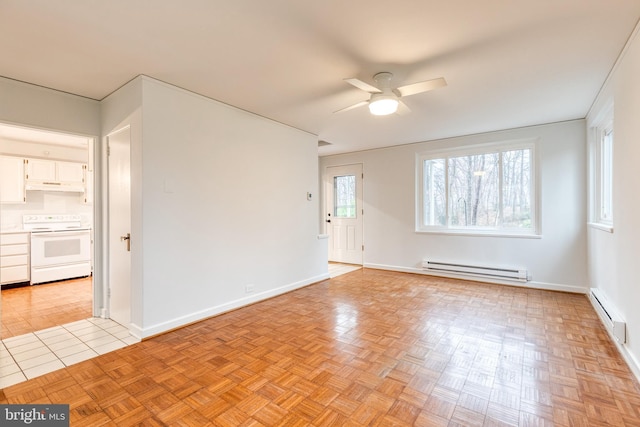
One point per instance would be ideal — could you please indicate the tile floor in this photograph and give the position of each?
(27, 356)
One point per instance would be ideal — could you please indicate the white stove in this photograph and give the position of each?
(60, 247)
(49, 223)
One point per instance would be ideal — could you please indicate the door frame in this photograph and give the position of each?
(94, 158)
(95, 153)
(106, 233)
(326, 190)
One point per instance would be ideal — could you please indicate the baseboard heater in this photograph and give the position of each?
(518, 274)
(611, 319)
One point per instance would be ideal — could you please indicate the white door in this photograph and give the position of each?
(119, 287)
(344, 213)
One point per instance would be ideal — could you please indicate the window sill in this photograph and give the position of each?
(488, 233)
(602, 227)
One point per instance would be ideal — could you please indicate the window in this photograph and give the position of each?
(606, 181)
(489, 190)
(344, 193)
(602, 172)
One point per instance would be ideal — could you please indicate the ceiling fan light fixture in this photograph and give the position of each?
(383, 105)
(385, 99)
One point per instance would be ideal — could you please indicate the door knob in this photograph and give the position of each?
(128, 239)
(328, 220)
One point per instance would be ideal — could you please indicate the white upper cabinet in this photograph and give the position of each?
(53, 175)
(12, 188)
(70, 172)
(41, 170)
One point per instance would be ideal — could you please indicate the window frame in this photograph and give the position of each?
(597, 216)
(336, 204)
(479, 149)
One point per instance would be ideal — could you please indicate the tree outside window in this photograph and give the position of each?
(483, 191)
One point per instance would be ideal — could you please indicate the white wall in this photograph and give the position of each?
(11, 147)
(223, 206)
(218, 196)
(35, 106)
(124, 108)
(614, 257)
(556, 261)
(45, 202)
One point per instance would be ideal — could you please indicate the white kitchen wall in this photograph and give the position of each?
(614, 257)
(13, 147)
(557, 260)
(45, 202)
(223, 207)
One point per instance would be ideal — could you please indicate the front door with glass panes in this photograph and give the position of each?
(344, 213)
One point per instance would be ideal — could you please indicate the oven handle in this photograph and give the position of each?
(60, 234)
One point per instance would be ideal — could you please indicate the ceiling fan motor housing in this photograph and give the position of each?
(383, 79)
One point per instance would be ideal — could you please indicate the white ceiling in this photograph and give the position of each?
(508, 63)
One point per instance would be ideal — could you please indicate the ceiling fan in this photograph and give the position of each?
(386, 100)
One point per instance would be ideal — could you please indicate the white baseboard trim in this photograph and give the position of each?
(197, 316)
(530, 284)
(628, 357)
(135, 330)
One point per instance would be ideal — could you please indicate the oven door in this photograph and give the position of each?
(60, 247)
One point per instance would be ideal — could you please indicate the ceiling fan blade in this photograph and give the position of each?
(420, 87)
(362, 85)
(351, 107)
(402, 109)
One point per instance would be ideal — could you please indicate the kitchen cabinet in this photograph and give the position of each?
(41, 170)
(12, 188)
(14, 258)
(69, 172)
(54, 175)
(55, 171)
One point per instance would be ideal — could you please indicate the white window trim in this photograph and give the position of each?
(529, 143)
(602, 227)
(602, 124)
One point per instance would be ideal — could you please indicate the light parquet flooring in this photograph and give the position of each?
(33, 308)
(365, 348)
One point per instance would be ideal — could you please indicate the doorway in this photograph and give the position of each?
(344, 212)
(28, 308)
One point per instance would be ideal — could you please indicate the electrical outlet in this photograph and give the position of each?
(248, 289)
